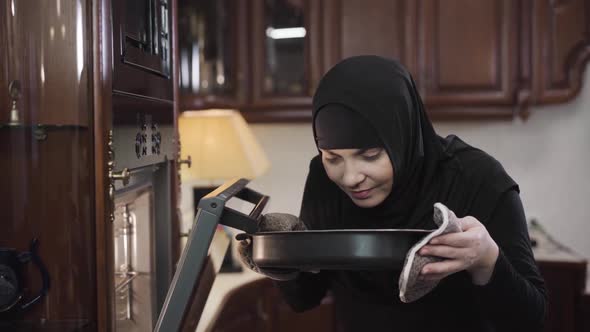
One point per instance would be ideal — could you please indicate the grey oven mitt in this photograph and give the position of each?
(271, 222)
(411, 288)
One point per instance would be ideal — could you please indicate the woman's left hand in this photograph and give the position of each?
(472, 250)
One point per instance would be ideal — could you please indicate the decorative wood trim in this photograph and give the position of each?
(243, 17)
(175, 218)
(102, 88)
(270, 115)
(545, 26)
(524, 67)
(410, 38)
(330, 28)
(435, 113)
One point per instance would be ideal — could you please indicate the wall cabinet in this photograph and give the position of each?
(469, 58)
(263, 57)
(468, 52)
(285, 52)
(212, 53)
(142, 58)
(559, 48)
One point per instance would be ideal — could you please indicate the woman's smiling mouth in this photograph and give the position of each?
(361, 194)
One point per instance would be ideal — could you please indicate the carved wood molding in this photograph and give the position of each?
(561, 49)
(102, 119)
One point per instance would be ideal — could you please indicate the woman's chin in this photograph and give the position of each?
(367, 202)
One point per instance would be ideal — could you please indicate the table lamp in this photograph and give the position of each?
(220, 147)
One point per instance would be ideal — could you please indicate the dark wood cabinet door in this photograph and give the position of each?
(468, 52)
(380, 27)
(286, 53)
(142, 48)
(565, 282)
(561, 48)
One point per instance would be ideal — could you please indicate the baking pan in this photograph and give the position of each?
(351, 249)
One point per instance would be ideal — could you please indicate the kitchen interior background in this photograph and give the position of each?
(547, 154)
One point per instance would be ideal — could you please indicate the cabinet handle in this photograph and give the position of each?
(14, 89)
(187, 161)
(123, 175)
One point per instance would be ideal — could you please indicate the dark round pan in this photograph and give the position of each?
(334, 249)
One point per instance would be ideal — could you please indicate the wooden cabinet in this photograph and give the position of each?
(381, 27)
(285, 52)
(142, 48)
(565, 282)
(258, 306)
(559, 48)
(213, 46)
(468, 52)
(263, 57)
(58, 164)
(45, 72)
(470, 58)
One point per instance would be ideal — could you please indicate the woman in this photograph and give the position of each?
(381, 165)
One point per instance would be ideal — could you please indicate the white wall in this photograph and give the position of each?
(548, 155)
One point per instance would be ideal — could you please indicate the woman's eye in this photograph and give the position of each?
(372, 156)
(331, 160)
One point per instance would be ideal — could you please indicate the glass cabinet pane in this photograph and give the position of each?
(206, 47)
(286, 36)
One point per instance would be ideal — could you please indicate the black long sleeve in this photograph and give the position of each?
(515, 298)
(306, 291)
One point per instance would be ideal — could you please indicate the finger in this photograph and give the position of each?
(460, 239)
(468, 223)
(443, 251)
(433, 277)
(445, 267)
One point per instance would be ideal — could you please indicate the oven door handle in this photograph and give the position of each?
(230, 217)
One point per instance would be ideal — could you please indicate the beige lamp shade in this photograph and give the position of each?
(221, 146)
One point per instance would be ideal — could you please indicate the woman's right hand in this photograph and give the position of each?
(272, 222)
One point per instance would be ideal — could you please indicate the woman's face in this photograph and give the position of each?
(365, 175)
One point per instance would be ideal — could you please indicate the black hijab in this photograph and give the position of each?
(427, 168)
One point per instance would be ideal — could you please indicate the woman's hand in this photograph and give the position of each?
(472, 250)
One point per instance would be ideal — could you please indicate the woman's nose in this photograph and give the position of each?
(352, 177)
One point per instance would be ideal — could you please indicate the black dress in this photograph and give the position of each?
(513, 300)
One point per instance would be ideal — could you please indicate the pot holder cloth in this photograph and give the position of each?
(411, 287)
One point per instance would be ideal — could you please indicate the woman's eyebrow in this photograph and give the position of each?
(331, 153)
(365, 150)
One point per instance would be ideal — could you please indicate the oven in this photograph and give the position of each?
(142, 227)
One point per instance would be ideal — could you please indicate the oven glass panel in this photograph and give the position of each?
(135, 287)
